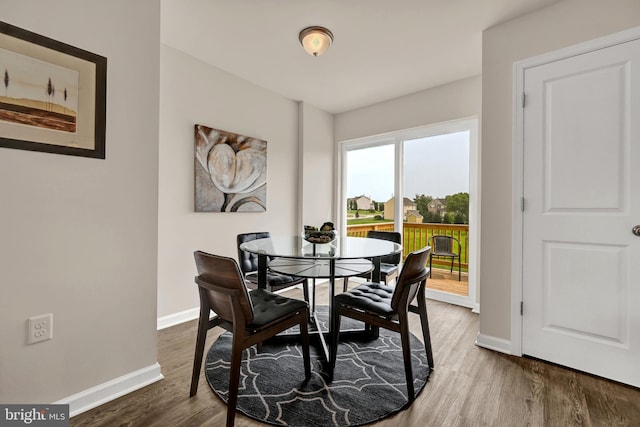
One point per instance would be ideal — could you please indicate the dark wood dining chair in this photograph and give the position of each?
(388, 307)
(444, 246)
(275, 281)
(251, 317)
(389, 264)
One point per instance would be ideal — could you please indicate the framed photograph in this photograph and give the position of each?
(230, 171)
(52, 95)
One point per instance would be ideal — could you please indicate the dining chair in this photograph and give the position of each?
(275, 281)
(388, 307)
(443, 246)
(251, 316)
(389, 264)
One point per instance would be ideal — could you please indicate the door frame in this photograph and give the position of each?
(517, 199)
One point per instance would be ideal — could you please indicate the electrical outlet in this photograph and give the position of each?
(40, 328)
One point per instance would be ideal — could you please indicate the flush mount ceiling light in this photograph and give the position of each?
(316, 40)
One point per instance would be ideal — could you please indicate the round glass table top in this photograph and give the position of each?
(341, 248)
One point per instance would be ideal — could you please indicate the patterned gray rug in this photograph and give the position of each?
(368, 384)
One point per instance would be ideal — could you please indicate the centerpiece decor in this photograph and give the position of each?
(326, 233)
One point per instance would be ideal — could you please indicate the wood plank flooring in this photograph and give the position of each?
(470, 386)
(443, 280)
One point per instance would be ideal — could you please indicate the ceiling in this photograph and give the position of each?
(382, 48)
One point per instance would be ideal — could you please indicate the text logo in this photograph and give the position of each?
(34, 415)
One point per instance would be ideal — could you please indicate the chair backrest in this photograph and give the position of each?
(441, 243)
(222, 287)
(249, 261)
(392, 236)
(412, 276)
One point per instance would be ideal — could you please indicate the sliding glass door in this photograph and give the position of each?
(421, 182)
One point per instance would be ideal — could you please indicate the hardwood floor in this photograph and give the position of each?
(470, 386)
(443, 280)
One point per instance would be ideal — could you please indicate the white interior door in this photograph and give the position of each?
(581, 261)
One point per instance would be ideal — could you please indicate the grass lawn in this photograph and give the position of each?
(355, 221)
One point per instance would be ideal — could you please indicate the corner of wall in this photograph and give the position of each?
(493, 343)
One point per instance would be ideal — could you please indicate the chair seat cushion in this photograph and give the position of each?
(371, 297)
(385, 270)
(268, 307)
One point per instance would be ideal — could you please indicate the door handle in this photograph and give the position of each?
(636, 230)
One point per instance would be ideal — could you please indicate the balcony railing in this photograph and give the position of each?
(416, 236)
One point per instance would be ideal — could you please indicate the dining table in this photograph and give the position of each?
(345, 256)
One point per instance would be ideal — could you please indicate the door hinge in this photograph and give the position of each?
(521, 308)
(521, 204)
(524, 100)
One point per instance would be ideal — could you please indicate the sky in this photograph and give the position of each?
(28, 78)
(434, 166)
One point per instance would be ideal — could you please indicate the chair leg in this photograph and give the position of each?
(310, 295)
(451, 269)
(305, 290)
(424, 322)
(201, 337)
(345, 284)
(333, 356)
(430, 265)
(459, 274)
(406, 354)
(234, 379)
(313, 294)
(304, 332)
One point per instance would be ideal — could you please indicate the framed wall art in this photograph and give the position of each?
(230, 172)
(52, 95)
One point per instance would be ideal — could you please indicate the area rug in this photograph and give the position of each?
(368, 384)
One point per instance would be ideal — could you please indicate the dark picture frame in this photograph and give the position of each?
(52, 95)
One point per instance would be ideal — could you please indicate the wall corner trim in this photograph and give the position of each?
(493, 343)
(110, 390)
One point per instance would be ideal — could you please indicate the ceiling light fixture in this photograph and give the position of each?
(316, 40)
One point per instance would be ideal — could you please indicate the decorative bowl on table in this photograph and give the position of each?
(326, 233)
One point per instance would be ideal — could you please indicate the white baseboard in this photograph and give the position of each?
(493, 343)
(177, 318)
(106, 392)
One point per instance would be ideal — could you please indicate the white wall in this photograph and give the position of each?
(457, 100)
(78, 236)
(318, 174)
(193, 92)
(557, 26)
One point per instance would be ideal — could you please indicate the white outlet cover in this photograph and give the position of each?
(40, 328)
